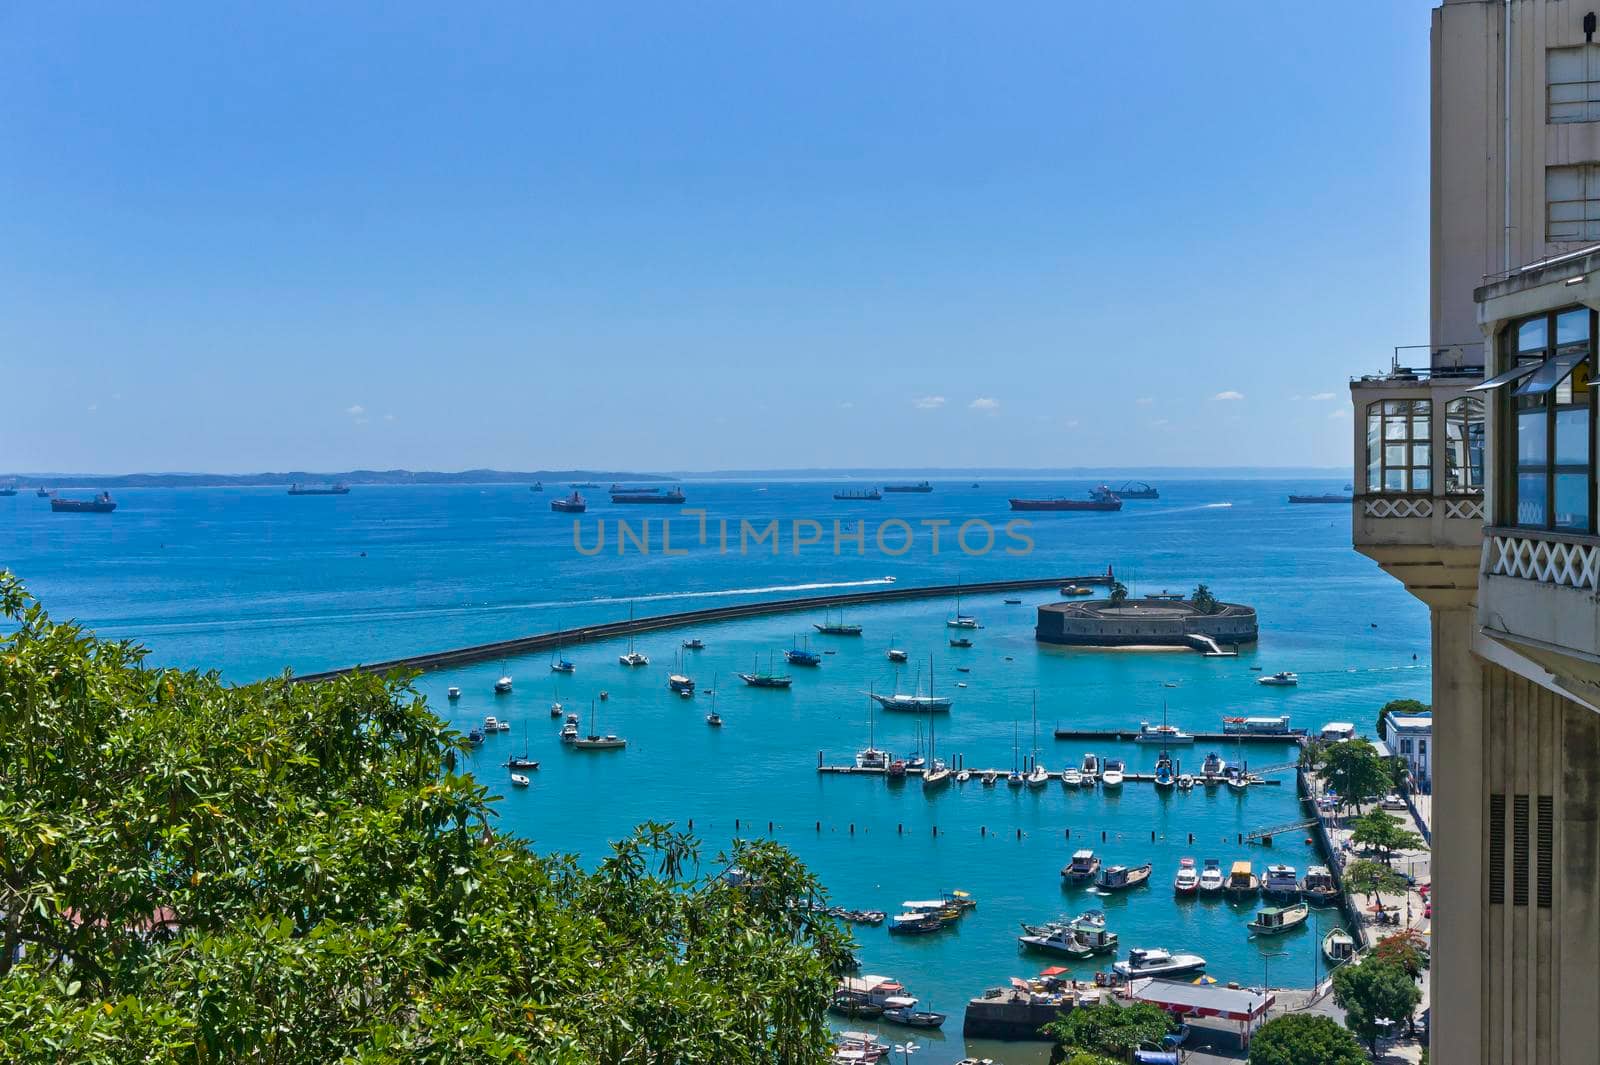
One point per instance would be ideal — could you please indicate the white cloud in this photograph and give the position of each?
(928, 402)
(988, 403)
(1340, 413)
(1297, 397)
(845, 404)
(1323, 397)
(388, 417)
(1071, 423)
(93, 407)
(1145, 401)
(355, 410)
(1157, 423)
(1229, 394)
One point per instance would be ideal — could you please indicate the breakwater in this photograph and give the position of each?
(547, 641)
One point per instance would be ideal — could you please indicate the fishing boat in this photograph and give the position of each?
(452, 693)
(100, 504)
(569, 729)
(768, 679)
(1211, 878)
(518, 780)
(915, 703)
(1111, 777)
(1280, 882)
(340, 489)
(829, 627)
(503, 685)
(597, 741)
(915, 923)
(1060, 503)
(1163, 734)
(1090, 769)
(920, 487)
(1122, 877)
(573, 504)
(1187, 882)
(1318, 888)
(1211, 768)
(858, 494)
(1157, 962)
(1242, 882)
(694, 644)
(1279, 680)
(1276, 920)
(1082, 869)
(1338, 946)
(960, 641)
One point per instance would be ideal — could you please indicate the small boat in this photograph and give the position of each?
(1338, 946)
(43, 492)
(1089, 770)
(1318, 887)
(960, 620)
(452, 693)
(963, 776)
(494, 724)
(556, 709)
(1211, 879)
(961, 641)
(802, 656)
(847, 1005)
(1071, 778)
(1279, 680)
(536, 486)
(1076, 589)
(681, 683)
(1236, 778)
(475, 737)
(1187, 882)
(694, 644)
(1212, 767)
(597, 741)
(1280, 882)
(1185, 781)
(573, 504)
(1083, 867)
(896, 655)
(1157, 962)
(1164, 776)
(569, 729)
(963, 669)
(521, 761)
(937, 774)
(503, 685)
(1037, 776)
(562, 665)
(988, 778)
(897, 770)
(1012, 602)
(518, 780)
(1122, 877)
(904, 1011)
(917, 923)
(1242, 882)
(714, 719)
(1112, 777)
(1276, 920)
(768, 679)
(8, 490)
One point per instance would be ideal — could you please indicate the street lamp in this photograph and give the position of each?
(1265, 959)
(907, 1049)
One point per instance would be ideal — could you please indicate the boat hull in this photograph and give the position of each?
(1093, 505)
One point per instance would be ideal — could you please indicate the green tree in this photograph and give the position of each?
(1204, 601)
(1081, 1057)
(1354, 771)
(1385, 833)
(1406, 948)
(1305, 1039)
(1119, 592)
(286, 872)
(1399, 706)
(1116, 1031)
(1370, 878)
(1372, 992)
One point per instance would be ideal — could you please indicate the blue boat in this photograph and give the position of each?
(802, 656)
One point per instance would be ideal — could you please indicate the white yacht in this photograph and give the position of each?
(1279, 680)
(1089, 771)
(1157, 962)
(1211, 878)
(1071, 778)
(453, 693)
(1112, 777)
(503, 685)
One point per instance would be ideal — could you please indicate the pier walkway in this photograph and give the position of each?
(1129, 735)
(548, 641)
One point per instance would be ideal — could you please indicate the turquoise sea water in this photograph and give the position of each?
(253, 581)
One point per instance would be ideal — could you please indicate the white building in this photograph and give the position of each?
(1410, 736)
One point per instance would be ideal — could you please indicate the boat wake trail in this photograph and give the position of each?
(1163, 512)
(134, 627)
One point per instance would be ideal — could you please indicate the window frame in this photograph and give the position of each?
(1415, 409)
(1467, 479)
(1510, 467)
(1587, 97)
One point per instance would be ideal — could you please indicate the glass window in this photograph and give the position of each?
(1530, 499)
(1398, 447)
(1572, 327)
(1463, 444)
(1551, 426)
(1571, 510)
(1531, 334)
(1572, 84)
(1572, 204)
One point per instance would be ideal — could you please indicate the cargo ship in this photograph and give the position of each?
(647, 495)
(340, 489)
(1137, 490)
(7, 491)
(573, 504)
(920, 486)
(100, 504)
(861, 493)
(1330, 498)
(1067, 504)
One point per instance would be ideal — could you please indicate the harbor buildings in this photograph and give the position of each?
(1474, 459)
(1155, 621)
(1409, 737)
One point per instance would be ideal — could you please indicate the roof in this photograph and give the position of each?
(1208, 1000)
(1411, 721)
(1339, 726)
(1240, 867)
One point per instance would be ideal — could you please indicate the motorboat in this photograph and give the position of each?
(1157, 962)
(502, 686)
(1318, 887)
(896, 655)
(988, 778)
(1280, 882)
(1164, 777)
(694, 644)
(963, 775)
(518, 780)
(1038, 776)
(452, 693)
(1279, 680)
(1071, 777)
(1276, 920)
(1090, 768)
(1242, 882)
(1122, 877)
(1082, 937)
(1112, 776)
(569, 729)
(1338, 946)
(918, 923)
(1212, 766)
(871, 758)
(1187, 882)
(903, 1010)
(1185, 782)
(1163, 734)
(1211, 879)
(1257, 726)
(1236, 778)
(494, 724)
(556, 709)
(1083, 867)
(960, 641)
(475, 736)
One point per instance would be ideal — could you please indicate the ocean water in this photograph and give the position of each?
(252, 581)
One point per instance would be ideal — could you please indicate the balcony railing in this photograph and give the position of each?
(1421, 505)
(1546, 557)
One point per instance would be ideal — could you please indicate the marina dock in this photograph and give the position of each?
(1297, 735)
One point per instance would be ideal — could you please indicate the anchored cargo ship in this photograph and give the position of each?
(1067, 504)
(340, 489)
(920, 486)
(1330, 498)
(573, 504)
(100, 504)
(647, 495)
(865, 493)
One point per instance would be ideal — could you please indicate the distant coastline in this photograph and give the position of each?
(555, 478)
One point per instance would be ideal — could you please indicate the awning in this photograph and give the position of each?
(1214, 1001)
(1516, 373)
(1550, 373)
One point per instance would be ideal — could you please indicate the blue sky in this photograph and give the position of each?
(712, 235)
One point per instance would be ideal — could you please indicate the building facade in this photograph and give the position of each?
(1475, 467)
(1410, 736)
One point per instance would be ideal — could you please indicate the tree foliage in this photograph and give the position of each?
(1384, 833)
(1369, 878)
(291, 872)
(1119, 592)
(1354, 771)
(1374, 991)
(1399, 706)
(1305, 1039)
(1204, 601)
(1109, 1029)
(1407, 948)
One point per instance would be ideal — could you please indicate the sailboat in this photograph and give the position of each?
(915, 703)
(594, 741)
(632, 658)
(829, 627)
(1014, 778)
(1037, 776)
(960, 620)
(714, 719)
(555, 700)
(802, 656)
(522, 761)
(769, 679)
(869, 757)
(895, 653)
(559, 662)
(503, 685)
(1164, 774)
(937, 773)
(681, 682)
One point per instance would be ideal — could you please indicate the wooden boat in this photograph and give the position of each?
(1083, 867)
(1280, 882)
(769, 679)
(1242, 881)
(828, 627)
(1338, 946)
(1276, 920)
(1318, 887)
(1122, 877)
